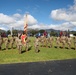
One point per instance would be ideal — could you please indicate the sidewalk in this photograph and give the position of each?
(64, 67)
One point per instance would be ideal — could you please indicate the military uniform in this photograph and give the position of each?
(6, 42)
(58, 41)
(69, 42)
(75, 42)
(36, 45)
(11, 42)
(1, 41)
(27, 44)
(51, 41)
(19, 45)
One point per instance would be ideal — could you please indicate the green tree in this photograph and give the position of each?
(15, 32)
(53, 33)
(8, 32)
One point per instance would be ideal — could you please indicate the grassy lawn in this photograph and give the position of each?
(45, 54)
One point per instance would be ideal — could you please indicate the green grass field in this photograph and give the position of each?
(45, 54)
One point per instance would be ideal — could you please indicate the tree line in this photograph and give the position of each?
(32, 32)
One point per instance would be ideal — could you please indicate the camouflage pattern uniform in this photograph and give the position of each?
(36, 44)
(1, 41)
(42, 41)
(12, 40)
(69, 42)
(75, 42)
(51, 41)
(58, 41)
(63, 41)
(6, 42)
(18, 44)
(26, 45)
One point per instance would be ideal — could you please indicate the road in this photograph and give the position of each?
(59, 67)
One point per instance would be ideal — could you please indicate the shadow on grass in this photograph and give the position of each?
(55, 47)
(23, 51)
(73, 48)
(58, 47)
(66, 48)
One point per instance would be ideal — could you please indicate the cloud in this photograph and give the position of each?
(5, 19)
(63, 26)
(62, 14)
(36, 26)
(39, 26)
(73, 23)
(65, 15)
(2, 28)
(73, 7)
(17, 15)
(16, 20)
(19, 10)
(31, 20)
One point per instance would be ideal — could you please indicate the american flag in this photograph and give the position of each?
(25, 26)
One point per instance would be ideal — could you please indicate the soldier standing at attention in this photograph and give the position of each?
(36, 44)
(75, 42)
(0, 41)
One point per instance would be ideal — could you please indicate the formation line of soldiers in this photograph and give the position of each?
(59, 41)
(14, 41)
(39, 41)
(6, 41)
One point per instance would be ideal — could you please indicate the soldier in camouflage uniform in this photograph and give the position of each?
(19, 44)
(27, 44)
(62, 39)
(51, 41)
(45, 42)
(68, 40)
(12, 40)
(75, 42)
(42, 41)
(6, 42)
(36, 45)
(1, 41)
(58, 41)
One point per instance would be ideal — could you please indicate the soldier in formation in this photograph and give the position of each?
(1, 41)
(36, 44)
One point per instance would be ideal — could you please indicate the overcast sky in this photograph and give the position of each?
(42, 14)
